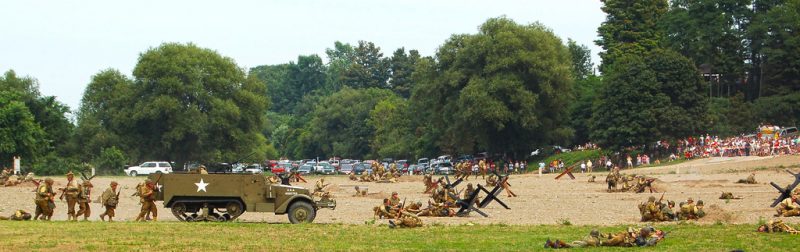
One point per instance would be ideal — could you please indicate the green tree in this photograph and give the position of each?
(402, 66)
(582, 66)
(394, 136)
(781, 69)
(340, 57)
(339, 124)
(193, 104)
(288, 83)
(631, 27)
(102, 116)
(111, 161)
(626, 111)
(20, 135)
(504, 89)
(712, 34)
(648, 98)
(368, 68)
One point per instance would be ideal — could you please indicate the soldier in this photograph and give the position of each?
(18, 215)
(728, 196)
(777, 226)
(384, 210)
(482, 168)
(700, 213)
(44, 200)
(319, 187)
(788, 207)
(147, 195)
(29, 177)
(353, 176)
(413, 208)
(666, 211)
(109, 200)
(406, 220)
(749, 180)
(71, 191)
(649, 210)
(394, 201)
(202, 169)
(468, 191)
(688, 210)
(507, 188)
(84, 198)
(593, 240)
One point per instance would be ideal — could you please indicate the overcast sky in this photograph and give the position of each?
(63, 43)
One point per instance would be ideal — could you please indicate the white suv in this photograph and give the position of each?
(149, 168)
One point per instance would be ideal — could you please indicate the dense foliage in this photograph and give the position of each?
(669, 69)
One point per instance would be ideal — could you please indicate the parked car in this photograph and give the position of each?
(254, 169)
(444, 168)
(305, 169)
(346, 168)
(463, 158)
(324, 168)
(360, 168)
(149, 168)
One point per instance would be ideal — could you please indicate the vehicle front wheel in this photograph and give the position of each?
(301, 212)
(133, 174)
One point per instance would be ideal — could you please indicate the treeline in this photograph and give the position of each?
(507, 89)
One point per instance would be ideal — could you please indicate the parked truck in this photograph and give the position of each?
(224, 197)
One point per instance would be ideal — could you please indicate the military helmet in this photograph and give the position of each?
(48, 180)
(113, 183)
(700, 202)
(70, 173)
(594, 233)
(690, 200)
(651, 199)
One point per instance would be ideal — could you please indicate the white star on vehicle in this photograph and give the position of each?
(201, 186)
(159, 186)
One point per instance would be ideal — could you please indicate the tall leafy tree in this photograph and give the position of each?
(781, 68)
(712, 34)
(194, 104)
(102, 115)
(631, 27)
(392, 121)
(20, 135)
(368, 67)
(49, 115)
(402, 66)
(340, 125)
(503, 89)
(582, 66)
(647, 98)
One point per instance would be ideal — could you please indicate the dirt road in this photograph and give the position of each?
(542, 200)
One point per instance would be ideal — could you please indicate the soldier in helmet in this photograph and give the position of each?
(18, 215)
(110, 199)
(788, 207)
(44, 200)
(749, 180)
(649, 210)
(202, 169)
(593, 240)
(84, 198)
(777, 226)
(667, 212)
(148, 196)
(71, 191)
(700, 213)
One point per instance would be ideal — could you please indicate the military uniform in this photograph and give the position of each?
(72, 191)
(44, 200)
(407, 220)
(777, 226)
(18, 215)
(649, 210)
(667, 213)
(84, 198)
(109, 199)
(749, 180)
(788, 207)
(147, 195)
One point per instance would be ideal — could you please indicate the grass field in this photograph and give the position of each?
(175, 236)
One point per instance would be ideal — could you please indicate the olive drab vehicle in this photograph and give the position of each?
(224, 197)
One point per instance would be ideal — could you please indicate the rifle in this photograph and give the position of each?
(662, 198)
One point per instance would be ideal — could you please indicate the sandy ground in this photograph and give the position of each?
(542, 200)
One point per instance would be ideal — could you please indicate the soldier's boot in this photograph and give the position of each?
(103, 217)
(110, 219)
(155, 218)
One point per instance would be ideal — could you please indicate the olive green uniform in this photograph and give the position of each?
(147, 195)
(72, 191)
(44, 201)
(109, 199)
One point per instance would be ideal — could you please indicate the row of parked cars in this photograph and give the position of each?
(440, 165)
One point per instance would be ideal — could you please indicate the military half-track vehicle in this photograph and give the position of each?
(224, 197)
